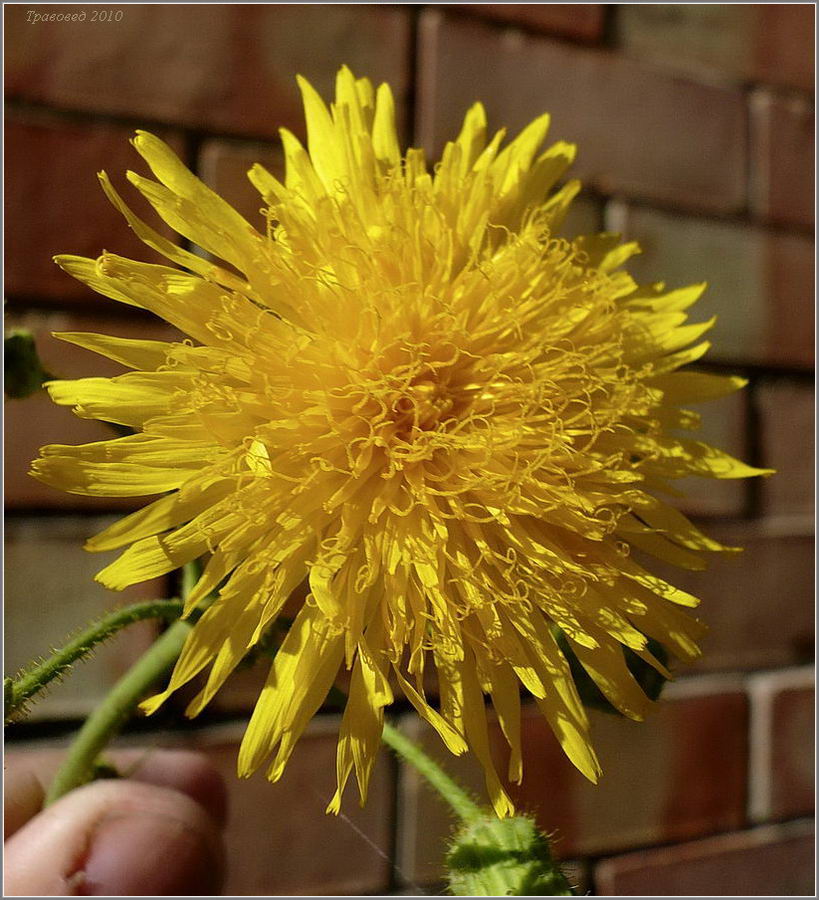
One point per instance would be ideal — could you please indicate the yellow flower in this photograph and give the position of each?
(408, 391)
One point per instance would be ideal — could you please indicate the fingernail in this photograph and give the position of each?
(146, 854)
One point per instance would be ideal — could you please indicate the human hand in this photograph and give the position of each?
(155, 832)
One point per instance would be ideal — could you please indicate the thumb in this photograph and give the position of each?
(116, 838)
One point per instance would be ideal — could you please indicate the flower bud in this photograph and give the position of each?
(493, 857)
(23, 371)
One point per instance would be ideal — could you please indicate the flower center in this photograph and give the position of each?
(422, 406)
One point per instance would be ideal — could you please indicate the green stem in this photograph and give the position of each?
(463, 805)
(30, 683)
(109, 717)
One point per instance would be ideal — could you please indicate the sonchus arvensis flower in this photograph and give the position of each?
(408, 397)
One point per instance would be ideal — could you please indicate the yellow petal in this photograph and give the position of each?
(129, 399)
(454, 742)
(136, 354)
(302, 672)
(385, 135)
(696, 387)
(207, 270)
(607, 666)
(478, 736)
(506, 700)
(325, 153)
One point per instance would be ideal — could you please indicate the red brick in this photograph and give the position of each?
(794, 752)
(787, 413)
(36, 421)
(50, 594)
(733, 42)
(708, 41)
(758, 604)
(655, 786)
(279, 840)
(784, 50)
(639, 131)
(775, 861)
(56, 204)
(791, 313)
(783, 751)
(223, 166)
(783, 154)
(760, 283)
(576, 20)
(229, 68)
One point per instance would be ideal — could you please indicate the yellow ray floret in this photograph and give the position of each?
(413, 404)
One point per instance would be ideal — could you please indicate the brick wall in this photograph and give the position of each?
(695, 129)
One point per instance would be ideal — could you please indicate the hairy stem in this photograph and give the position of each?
(462, 804)
(23, 688)
(115, 710)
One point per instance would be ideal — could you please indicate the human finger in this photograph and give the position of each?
(22, 799)
(117, 838)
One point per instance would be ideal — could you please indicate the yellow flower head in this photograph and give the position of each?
(410, 394)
